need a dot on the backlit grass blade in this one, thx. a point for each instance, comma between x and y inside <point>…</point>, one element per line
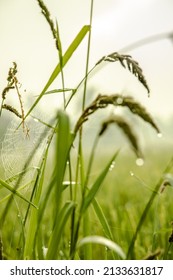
<point>58,230</point>
<point>64,140</point>
<point>59,91</point>
<point>103,221</point>
<point>15,192</point>
<point>95,187</point>
<point>71,49</point>
<point>102,241</point>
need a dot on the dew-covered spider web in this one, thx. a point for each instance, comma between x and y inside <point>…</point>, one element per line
<point>19,147</point>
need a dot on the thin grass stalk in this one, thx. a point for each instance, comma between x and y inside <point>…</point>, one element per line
<point>88,55</point>
<point>22,236</point>
<point>30,248</point>
<point>86,228</point>
<point>104,223</point>
<point>130,253</point>
<point>61,64</point>
<point>70,177</point>
<point>85,181</point>
<point>79,172</point>
<point>87,232</point>
<point>86,218</point>
<point>80,83</point>
<point>90,163</point>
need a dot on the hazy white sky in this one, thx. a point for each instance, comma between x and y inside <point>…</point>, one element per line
<point>25,38</point>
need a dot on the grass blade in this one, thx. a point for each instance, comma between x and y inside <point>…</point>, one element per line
<point>15,192</point>
<point>61,221</point>
<point>95,187</point>
<point>103,221</point>
<point>32,224</point>
<point>71,49</point>
<point>63,144</point>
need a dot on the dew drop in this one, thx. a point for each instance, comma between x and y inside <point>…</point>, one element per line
<point>112,166</point>
<point>139,162</point>
<point>36,120</point>
<point>159,135</point>
<point>131,173</point>
<point>45,249</point>
<point>119,100</point>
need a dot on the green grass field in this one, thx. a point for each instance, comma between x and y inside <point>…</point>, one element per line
<point>59,200</point>
<point>123,197</point>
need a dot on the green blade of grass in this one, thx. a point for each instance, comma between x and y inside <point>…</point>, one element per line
<point>102,241</point>
<point>55,238</point>
<point>95,187</point>
<point>64,140</point>
<point>71,49</point>
<point>32,219</point>
<point>58,91</point>
<point>19,189</point>
<point>103,221</point>
<point>15,192</point>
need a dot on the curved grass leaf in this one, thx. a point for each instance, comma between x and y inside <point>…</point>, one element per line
<point>102,241</point>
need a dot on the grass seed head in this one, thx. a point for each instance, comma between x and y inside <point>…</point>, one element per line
<point>127,130</point>
<point>127,62</point>
<point>102,101</point>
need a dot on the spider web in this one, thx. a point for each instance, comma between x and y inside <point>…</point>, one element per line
<point>17,148</point>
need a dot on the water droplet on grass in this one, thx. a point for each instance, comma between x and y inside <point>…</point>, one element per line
<point>139,162</point>
<point>159,135</point>
<point>119,100</point>
<point>112,166</point>
<point>36,120</point>
<point>131,173</point>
